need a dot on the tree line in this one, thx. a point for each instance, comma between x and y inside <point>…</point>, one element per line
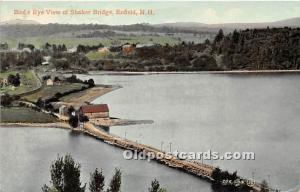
<point>54,28</point>
<point>65,177</point>
<point>230,182</point>
<point>250,49</point>
<point>259,49</point>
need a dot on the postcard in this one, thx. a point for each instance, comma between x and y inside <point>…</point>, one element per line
<point>150,96</point>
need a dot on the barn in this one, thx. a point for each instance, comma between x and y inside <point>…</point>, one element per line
<point>95,111</point>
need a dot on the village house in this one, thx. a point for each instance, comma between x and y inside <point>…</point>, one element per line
<point>3,82</point>
<point>63,110</point>
<point>103,50</point>
<point>46,60</point>
<point>128,49</point>
<point>3,46</point>
<point>72,50</point>
<point>95,111</point>
<point>50,82</point>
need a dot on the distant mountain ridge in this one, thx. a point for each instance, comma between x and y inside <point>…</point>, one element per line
<point>292,22</point>
<point>19,22</point>
<point>30,28</point>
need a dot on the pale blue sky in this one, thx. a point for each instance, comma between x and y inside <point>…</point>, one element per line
<point>204,12</point>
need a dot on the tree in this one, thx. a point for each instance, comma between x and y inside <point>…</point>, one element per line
<point>18,76</point>
<point>57,173</point>
<point>65,176</point>
<point>71,110</point>
<point>115,183</point>
<point>49,107</point>
<point>219,36</point>
<point>71,176</point>
<point>91,83</point>
<point>83,118</point>
<point>45,188</point>
<point>73,121</point>
<point>235,36</point>
<point>40,103</point>
<point>47,46</point>
<point>216,174</point>
<point>207,41</point>
<point>56,79</point>
<point>14,80</point>
<point>64,48</point>
<point>6,99</point>
<point>97,181</point>
<point>155,187</point>
<point>46,77</point>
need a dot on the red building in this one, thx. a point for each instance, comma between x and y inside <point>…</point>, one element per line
<point>95,111</point>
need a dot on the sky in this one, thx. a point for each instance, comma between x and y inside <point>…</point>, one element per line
<point>164,11</point>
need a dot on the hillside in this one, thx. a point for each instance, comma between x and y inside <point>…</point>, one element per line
<point>30,28</point>
<point>19,22</point>
<point>292,22</point>
<point>260,49</point>
<point>250,49</point>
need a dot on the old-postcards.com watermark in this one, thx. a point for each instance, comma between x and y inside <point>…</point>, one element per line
<point>208,155</point>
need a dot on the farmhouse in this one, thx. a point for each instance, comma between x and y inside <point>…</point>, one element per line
<point>47,60</point>
<point>95,111</point>
<point>49,82</point>
<point>3,82</point>
<point>128,49</point>
<point>103,51</point>
<point>63,110</point>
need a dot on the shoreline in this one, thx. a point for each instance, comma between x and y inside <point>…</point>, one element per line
<point>59,125</point>
<point>88,95</point>
<point>193,72</point>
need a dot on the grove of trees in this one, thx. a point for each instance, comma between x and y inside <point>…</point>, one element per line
<point>259,49</point>
<point>65,177</point>
<point>250,49</point>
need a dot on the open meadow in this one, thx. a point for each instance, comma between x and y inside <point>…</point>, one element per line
<point>49,91</point>
<point>70,42</point>
<point>24,115</point>
<point>28,79</point>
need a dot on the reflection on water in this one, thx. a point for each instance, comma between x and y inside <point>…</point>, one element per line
<point>223,113</point>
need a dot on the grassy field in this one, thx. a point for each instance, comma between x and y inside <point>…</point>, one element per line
<point>73,42</point>
<point>94,55</point>
<point>29,82</point>
<point>24,115</point>
<point>49,91</point>
<point>87,95</point>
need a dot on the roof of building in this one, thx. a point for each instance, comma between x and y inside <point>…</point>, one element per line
<point>94,108</point>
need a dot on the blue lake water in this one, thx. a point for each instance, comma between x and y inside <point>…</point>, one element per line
<point>219,112</point>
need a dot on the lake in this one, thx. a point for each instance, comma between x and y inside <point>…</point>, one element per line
<point>218,112</point>
<point>193,112</point>
<point>27,153</point>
